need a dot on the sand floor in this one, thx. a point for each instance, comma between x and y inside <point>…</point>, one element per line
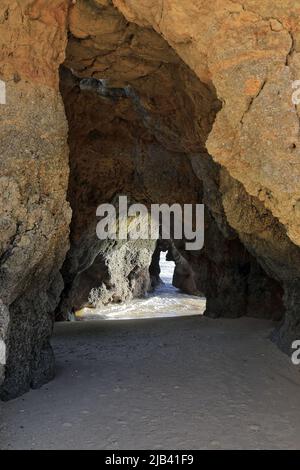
<point>167,383</point>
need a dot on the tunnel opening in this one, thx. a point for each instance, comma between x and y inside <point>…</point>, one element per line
<point>110,156</point>
<point>162,300</point>
<point>143,121</point>
<point>167,268</point>
<point>123,139</point>
<point>139,119</point>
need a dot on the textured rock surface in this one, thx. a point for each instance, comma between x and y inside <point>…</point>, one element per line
<point>114,151</point>
<point>201,77</point>
<point>117,137</point>
<point>250,51</point>
<point>33,180</point>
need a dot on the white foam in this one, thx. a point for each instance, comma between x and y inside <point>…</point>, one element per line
<point>166,301</point>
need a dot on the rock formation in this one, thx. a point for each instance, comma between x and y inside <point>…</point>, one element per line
<point>165,101</point>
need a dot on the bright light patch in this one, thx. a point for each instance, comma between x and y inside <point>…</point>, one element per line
<point>2,92</point>
<point>2,353</point>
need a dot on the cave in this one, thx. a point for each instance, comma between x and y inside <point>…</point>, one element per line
<point>128,101</point>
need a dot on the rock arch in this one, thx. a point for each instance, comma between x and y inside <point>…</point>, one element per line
<point>209,96</point>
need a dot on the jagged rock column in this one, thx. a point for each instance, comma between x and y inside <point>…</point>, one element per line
<point>234,62</point>
<point>34,176</point>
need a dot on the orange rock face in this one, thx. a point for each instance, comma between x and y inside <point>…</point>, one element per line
<point>250,51</point>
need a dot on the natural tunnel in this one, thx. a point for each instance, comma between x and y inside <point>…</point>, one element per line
<point>125,102</point>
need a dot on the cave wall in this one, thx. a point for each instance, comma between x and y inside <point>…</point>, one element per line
<point>114,151</point>
<point>250,51</point>
<point>124,137</point>
<point>243,58</point>
<point>34,171</point>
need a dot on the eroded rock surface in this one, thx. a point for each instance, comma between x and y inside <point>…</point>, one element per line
<point>34,172</point>
<point>117,146</point>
